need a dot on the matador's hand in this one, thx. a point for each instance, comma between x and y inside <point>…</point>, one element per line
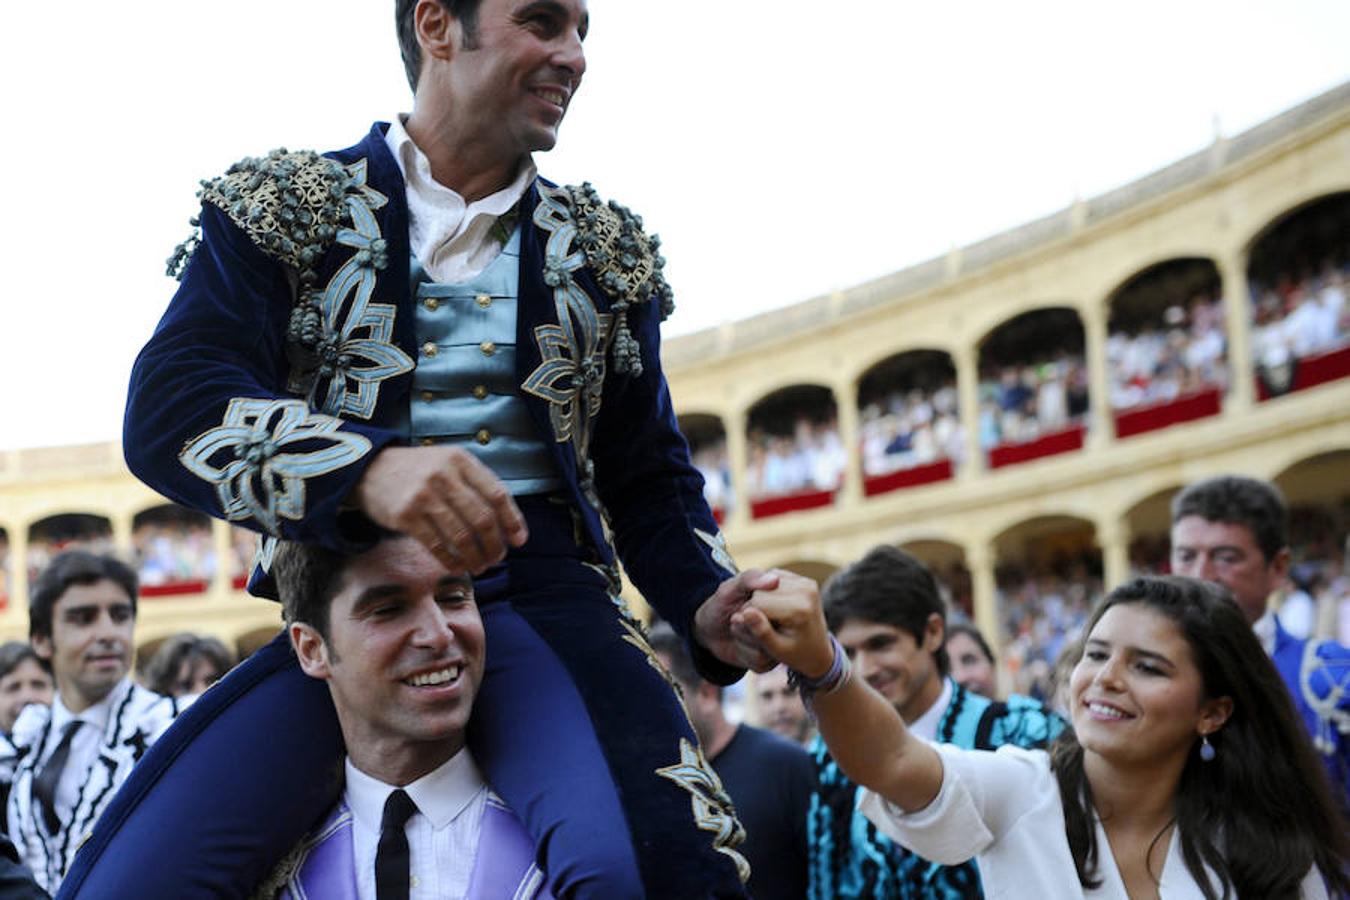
<point>715,628</point>
<point>445,498</point>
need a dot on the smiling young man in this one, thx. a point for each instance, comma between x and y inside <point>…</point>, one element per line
<point>75,754</point>
<point>421,334</point>
<point>399,642</point>
<point>886,612</point>
<point>1233,530</point>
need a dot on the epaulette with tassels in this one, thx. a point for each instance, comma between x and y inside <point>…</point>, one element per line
<point>626,262</point>
<point>289,204</point>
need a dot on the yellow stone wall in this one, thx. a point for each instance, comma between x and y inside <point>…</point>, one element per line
<point>92,479</point>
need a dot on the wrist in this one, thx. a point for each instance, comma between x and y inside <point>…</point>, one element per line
<point>835,676</point>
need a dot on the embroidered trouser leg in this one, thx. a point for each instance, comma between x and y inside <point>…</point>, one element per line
<point>582,735</point>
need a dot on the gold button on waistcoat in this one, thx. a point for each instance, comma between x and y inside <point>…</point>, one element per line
<point>427,441</point>
<point>480,392</point>
<point>488,348</point>
<point>428,396</point>
<point>483,436</point>
<point>431,303</point>
<point>483,301</point>
<point>429,349</point>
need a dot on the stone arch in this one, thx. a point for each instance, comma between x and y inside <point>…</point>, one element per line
<point>706,435</point>
<point>796,457</point>
<point>174,550</point>
<point>947,561</point>
<point>1149,524</point>
<point>1298,274</point>
<point>909,420</point>
<point>1034,396</point>
<point>252,640</point>
<point>817,570</point>
<point>53,534</point>
<point>1048,577</point>
<point>1166,345</point>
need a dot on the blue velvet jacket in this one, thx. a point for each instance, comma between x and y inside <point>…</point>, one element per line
<point>285,360</point>
<point>1317,674</point>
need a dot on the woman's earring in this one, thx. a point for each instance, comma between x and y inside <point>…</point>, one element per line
<point>1207,751</point>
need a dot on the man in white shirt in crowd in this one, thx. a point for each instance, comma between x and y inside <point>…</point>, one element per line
<point>400,643</point>
<point>75,754</point>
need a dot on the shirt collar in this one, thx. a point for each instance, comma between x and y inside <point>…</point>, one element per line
<point>441,794</point>
<point>416,170</point>
<point>926,725</point>
<point>1265,631</point>
<point>96,715</point>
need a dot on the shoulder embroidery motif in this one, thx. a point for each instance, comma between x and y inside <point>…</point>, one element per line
<point>295,207</point>
<point>626,261</point>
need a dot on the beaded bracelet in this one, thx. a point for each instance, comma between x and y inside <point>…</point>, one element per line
<point>841,670</point>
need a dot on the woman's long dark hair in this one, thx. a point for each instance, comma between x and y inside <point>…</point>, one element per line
<point>1260,814</point>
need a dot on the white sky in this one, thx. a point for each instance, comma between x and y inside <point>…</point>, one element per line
<point>782,150</point>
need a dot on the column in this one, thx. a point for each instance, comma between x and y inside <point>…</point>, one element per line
<point>222,544</point>
<point>968,393</point>
<point>121,535</point>
<point>1238,324</point>
<point>846,405</point>
<point>17,608</point>
<point>1103,431</point>
<point>739,457</point>
<point>980,560</point>
<point>1114,539</point>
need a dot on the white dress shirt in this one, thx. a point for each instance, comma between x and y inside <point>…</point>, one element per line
<point>83,748</point>
<point>1265,631</point>
<point>451,238</point>
<point>442,834</point>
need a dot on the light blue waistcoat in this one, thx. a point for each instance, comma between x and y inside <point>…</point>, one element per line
<point>464,389</point>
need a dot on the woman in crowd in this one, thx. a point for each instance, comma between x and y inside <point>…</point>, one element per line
<point>24,679</point>
<point>972,660</point>
<point>1185,775</point>
<point>186,664</point>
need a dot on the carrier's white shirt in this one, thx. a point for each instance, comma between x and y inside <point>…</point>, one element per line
<point>442,834</point>
<point>1003,809</point>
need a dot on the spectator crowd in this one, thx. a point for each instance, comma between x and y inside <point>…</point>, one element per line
<point>1022,403</point>
<point>1297,316</point>
<point>909,428</point>
<point>811,458</point>
<point>1185,354</point>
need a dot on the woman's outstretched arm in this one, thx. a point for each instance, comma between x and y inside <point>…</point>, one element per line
<point>865,734</point>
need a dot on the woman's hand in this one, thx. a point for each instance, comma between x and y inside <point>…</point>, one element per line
<point>788,622</point>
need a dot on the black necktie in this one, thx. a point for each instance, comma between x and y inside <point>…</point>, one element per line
<point>45,782</point>
<point>391,855</point>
